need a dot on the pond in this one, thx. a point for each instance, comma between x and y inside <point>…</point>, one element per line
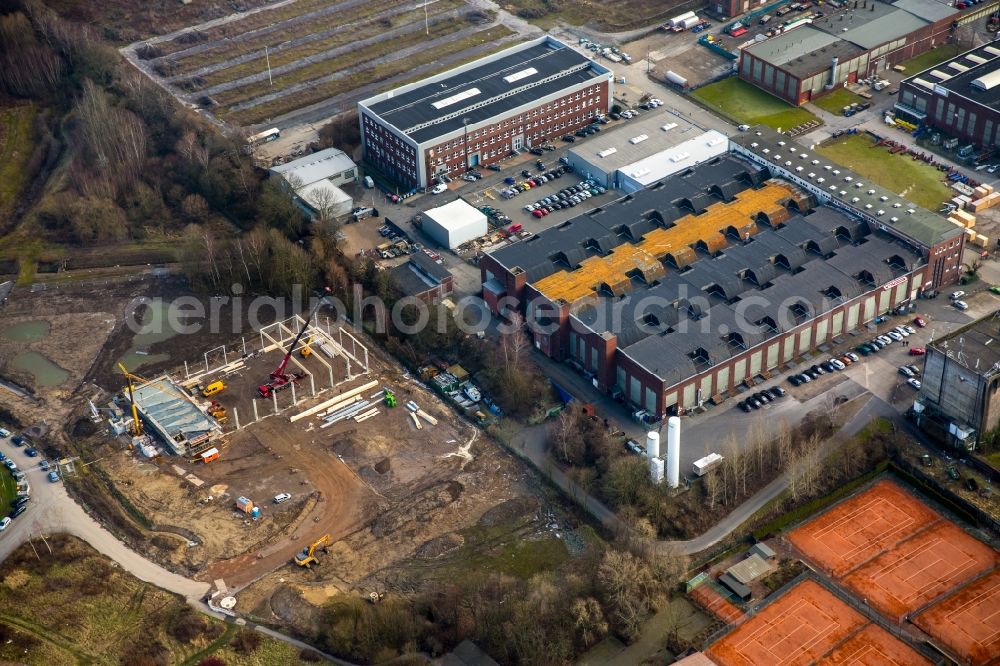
<point>45,372</point>
<point>28,331</point>
<point>155,328</point>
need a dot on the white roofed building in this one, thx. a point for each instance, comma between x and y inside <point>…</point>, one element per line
<point>316,180</point>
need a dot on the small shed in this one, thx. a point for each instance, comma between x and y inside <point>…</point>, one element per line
<point>736,587</point>
<point>324,198</point>
<point>455,223</point>
<point>749,569</point>
<point>763,550</point>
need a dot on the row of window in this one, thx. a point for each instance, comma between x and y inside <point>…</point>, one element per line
<point>522,122</point>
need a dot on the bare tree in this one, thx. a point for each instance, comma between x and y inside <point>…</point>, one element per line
<point>324,202</point>
<point>513,343</point>
<point>711,481</point>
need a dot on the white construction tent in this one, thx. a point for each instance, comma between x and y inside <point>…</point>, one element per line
<point>455,223</point>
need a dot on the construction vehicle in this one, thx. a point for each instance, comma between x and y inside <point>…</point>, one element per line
<point>390,398</point>
<point>307,557</point>
<point>217,411</point>
<point>279,379</point>
<point>136,423</point>
<point>213,388</point>
<point>306,350</point>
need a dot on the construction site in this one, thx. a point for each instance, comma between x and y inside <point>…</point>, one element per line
<point>273,454</point>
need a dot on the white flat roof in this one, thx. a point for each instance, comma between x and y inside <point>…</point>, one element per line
<point>678,158</point>
<point>309,193</point>
<point>456,215</point>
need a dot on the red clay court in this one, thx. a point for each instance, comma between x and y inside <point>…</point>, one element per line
<point>862,527</point>
<point>968,622</point>
<point>798,628</point>
<point>920,569</point>
<point>873,646</point>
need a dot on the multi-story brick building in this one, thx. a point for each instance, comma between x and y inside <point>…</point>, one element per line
<point>960,97</point>
<point>853,42</point>
<point>678,293</point>
<point>481,112</point>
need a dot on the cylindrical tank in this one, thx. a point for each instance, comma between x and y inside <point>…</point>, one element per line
<point>652,445</point>
<point>673,451</point>
<point>676,78</point>
<point>656,470</point>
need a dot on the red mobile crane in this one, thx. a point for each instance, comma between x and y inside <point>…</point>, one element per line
<point>279,379</point>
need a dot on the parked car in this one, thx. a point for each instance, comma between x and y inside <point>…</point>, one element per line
<point>4,432</point>
<point>10,464</point>
<point>805,378</point>
<point>961,305</point>
<point>915,383</point>
<point>794,380</point>
<point>778,391</point>
<point>895,336</point>
<point>31,453</point>
<point>53,476</point>
<point>44,465</point>
<point>282,497</point>
<point>909,329</point>
<point>439,188</point>
<point>905,371</point>
<point>993,290</point>
<point>828,366</point>
<point>17,440</point>
<point>956,295</point>
<point>837,363</point>
<point>854,357</point>
<point>917,351</point>
<point>914,369</point>
<point>4,522</point>
<point>743,405</point>
<point>920,322</point>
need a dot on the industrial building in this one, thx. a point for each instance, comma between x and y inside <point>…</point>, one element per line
<point>657,145</point>
<point>718,276</point>
<point>854,42</point>
<point>169,412</point>
<point>960,97</point>
<point>422,277</point>
<point>316,181</point>
<point>959,398</point>
<point>453,224</point>
<point>479,113</point>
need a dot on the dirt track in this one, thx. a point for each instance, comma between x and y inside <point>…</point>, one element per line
<point>340,511</point>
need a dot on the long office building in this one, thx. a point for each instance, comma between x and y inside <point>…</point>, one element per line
<point>679,293</point>
<point>960,97</point>
<point>481,112</point>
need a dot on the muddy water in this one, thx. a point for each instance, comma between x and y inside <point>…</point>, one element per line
<point>45,372</point>
<point>29,331</point>
<point>155,328</point>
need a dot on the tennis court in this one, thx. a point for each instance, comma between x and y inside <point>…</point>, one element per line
<point>968,622</point>
<point>920,569</point>
<point>873,646</point>
<point>798,628</point>
<point>862,527</point>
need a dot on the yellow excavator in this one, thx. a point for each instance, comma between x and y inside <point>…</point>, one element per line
<point>306,350</point>
<point>129,377</point>
<point>307,557</point>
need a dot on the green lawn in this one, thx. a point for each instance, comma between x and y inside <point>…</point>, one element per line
<point>743,103</point>
<point>837,100</point>
<point>914,180</point>
<point>8,491</point>
<point>931,58</point>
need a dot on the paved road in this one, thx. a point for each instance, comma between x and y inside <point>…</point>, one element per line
<point>52,511</point>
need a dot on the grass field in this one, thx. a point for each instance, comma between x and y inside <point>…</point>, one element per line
<point>73,606</point>
<point>605,16</point>
<point>319,69</point>
<point>741,102</point>
<point>837,100</point>
<point>8,491</point>
<point>359,31</point>
<point>914,180</point>
<point>15,149</point>
<point>378,73</point>
<point>931,58</point>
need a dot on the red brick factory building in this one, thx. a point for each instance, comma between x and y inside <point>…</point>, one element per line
<point>720,276</point>
<point>477,114</point>
<point>858,40</point>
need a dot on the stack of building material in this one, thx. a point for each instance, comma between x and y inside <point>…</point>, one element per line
<point>980,240</point>
<point>966,218</point>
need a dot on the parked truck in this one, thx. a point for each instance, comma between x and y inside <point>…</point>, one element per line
<point>703,465</point>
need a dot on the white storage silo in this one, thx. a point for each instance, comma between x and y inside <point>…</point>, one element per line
<point>656,469</point>
<point>673,451</point>
<point>652,445</point>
